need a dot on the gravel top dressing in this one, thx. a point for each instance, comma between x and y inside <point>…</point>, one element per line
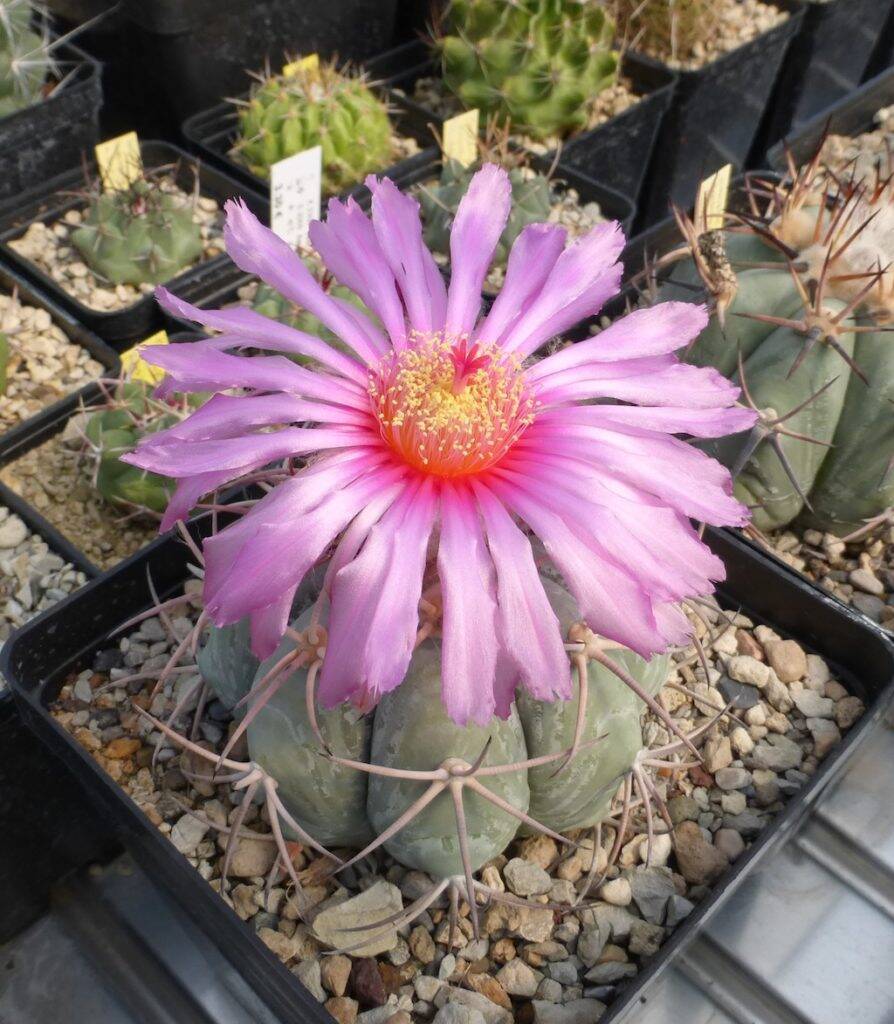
<point>530,964</point>
<point>44,365</point>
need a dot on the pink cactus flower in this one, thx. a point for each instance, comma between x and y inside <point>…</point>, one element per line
<point>442,445</point>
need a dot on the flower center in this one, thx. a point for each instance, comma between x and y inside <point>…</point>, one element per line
<point>449,407</point>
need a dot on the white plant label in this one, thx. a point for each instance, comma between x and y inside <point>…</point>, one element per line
<point>296,189</point>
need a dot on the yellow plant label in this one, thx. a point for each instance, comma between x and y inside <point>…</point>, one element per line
<point>119,161</point>
<point>710,204</point>
<point>309,63</point>
<point>460,138</point>
<point>136,368</point>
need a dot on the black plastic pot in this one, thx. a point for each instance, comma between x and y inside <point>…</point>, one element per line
<point>883,54</point>
<point>40,657</point>
<point>852,115</point>
<point>14,441</point>
<point>194,53</point>
<point>825,62</point>
<point>616,153</point>
<point>49,202</point>
<point>212,133</point>
<point>714,117</point>
<point>53,135</point>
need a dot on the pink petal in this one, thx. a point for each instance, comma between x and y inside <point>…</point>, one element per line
<point>469,646</point>
<point>695,422</point>
<point>480,219</point>
<point>529,631</point>
<point>348,245</point>
<point>531,260</point>
<point>267,625</point>
<point>246,327</point>
<point>584,276</point>
<point>395,218</point>
<point>651,331</point>
<point>375,603</point>
<point>257,250</point>
<point>187,493</point>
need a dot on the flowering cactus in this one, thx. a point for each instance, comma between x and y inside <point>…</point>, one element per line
<point>454,478</point>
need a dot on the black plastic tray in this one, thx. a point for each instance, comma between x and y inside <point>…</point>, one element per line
<point>38,659</point>
<point>826,61</point>
<point>852,115</point>
<point>211,134</point>
<point>14,441</point>
<point>616,153</point>
<point>49,202</point>
<point>714,117</point>
<point>48,137</point>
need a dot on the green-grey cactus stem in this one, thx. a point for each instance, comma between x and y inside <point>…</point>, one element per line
<point>809,344</point>
<point>537,65</point>
<point>25,58</point>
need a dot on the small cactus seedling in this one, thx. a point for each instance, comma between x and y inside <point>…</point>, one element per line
<point>337,110</point>
<point>671,29</point>
<point>535,64</point>
<point>24,57</point>
<point>144,234</point>
<point>803,298</point>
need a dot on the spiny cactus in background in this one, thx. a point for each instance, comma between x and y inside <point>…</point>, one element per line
<point>666,28</point>
<point>537,64</point>
<point>320,106</point>
<point>138,235</point>
<point>24,57</point>
<point>807,341</point>
<point>531,204</point>
<point>129,414</point>
<point>4,360</point>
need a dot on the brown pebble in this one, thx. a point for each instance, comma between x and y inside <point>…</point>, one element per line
<point>343,1009</point>
<point>366,984</point>
<point>422,945</point>
<point>489,987</point>
<point>746,644</point>
<point>503,950</point>
<point>122,747</point>
<point>391,976</point>
<point>334,972</point>
<point>699,862</point>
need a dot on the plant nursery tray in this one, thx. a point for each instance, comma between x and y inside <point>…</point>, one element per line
<point>615,153</point>
<point>852,115</point>
<point>50,201</point>
<point>38,659</point>
<point>211,134</point>
<point>19,437</point>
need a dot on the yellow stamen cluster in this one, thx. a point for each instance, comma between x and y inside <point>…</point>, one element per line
<point>446,414</point>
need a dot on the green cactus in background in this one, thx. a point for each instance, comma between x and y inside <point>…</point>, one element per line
<point>531,204</point>
<point>537,64</point>
<point>24,57</point>
<point>808,343</point>
<point>114,429</point>
<point>4,360</point>
<point>138,235</point>
<point>323,107</point>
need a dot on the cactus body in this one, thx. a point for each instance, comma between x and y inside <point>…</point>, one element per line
<point>322,107</point>
<point>24,57</point>
<point>531,203</point>
<point>537,64</point>
<point>839,471</point>
<point>667,28</point>
<point>410,730</point>
<point>140,235</point>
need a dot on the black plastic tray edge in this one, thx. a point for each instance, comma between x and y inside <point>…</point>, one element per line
<point>239,942</point>
<point>194,130</point>
<point>118,327</point>
<point>855,111</point>
<point>409,61</point>
<point>18,439</point>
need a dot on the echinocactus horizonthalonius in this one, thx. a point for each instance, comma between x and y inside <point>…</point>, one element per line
<point>143,234</point>
<point>24,57</point>
<point>319,106</point>
<point>803,294</point>
<point>486,554</point>
<point>536,64</point>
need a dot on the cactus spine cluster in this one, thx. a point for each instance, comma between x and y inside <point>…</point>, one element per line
<point>24,57</point>
<point>667,28</point>
<point>804,298</point>
<point>143,234</point>
<point>531,204</point>
<point>536,64</point>
<point>287,114</point>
